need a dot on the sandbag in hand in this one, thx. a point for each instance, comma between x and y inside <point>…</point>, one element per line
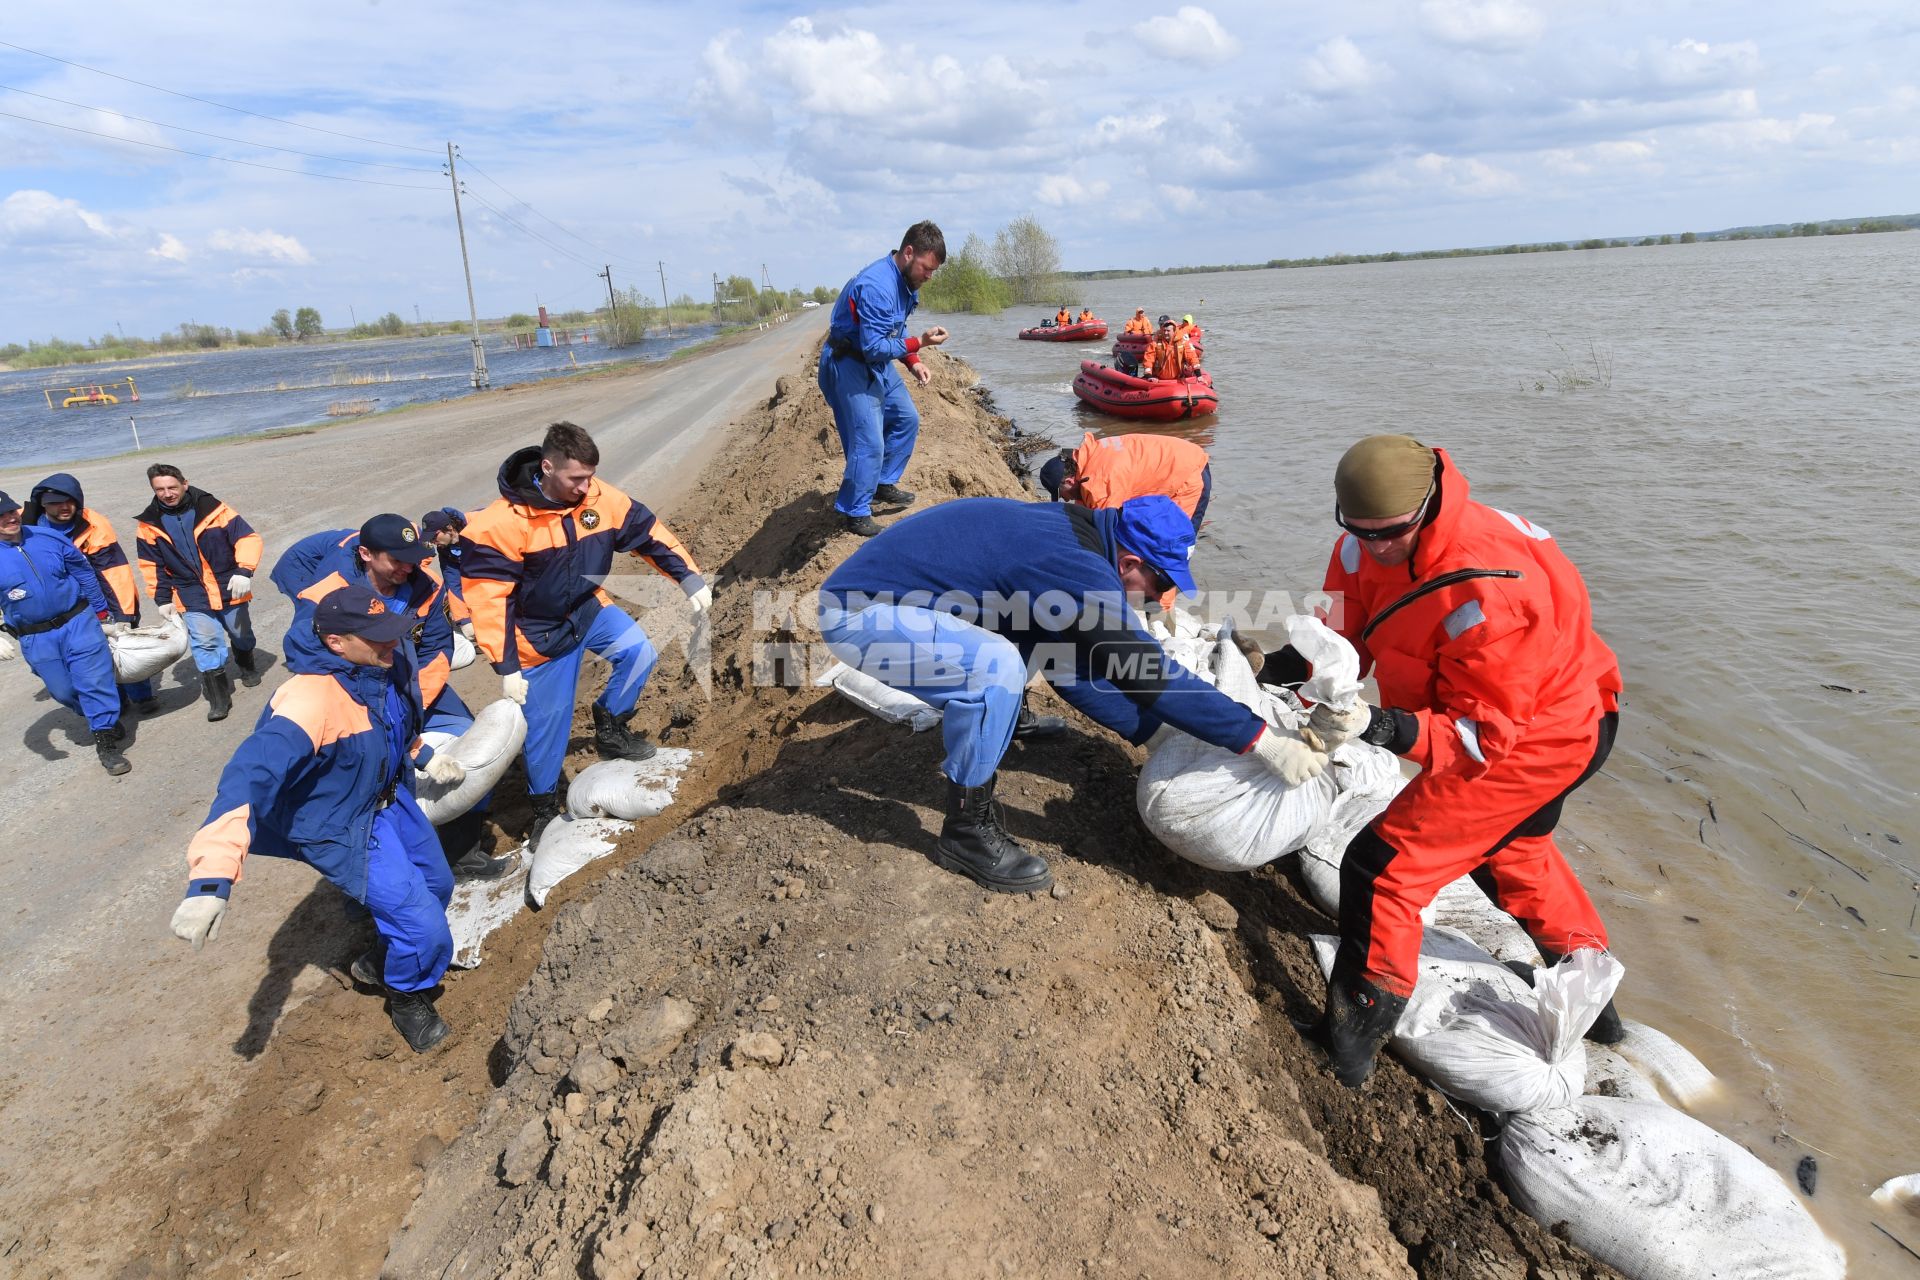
<point>1335,728</point>
<point>445,770</point>
<point>1294,761</point>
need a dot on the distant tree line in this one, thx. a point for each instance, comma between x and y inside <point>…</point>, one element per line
<point>1021,266</point>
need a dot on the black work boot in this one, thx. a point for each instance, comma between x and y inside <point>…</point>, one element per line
<point>478,864</point>
<point>862,525</point>
<point>147,706</point>
<point>974,843</point>
<point>415,1019</point>
<point>369,968</point>
<point>546,807</point>
<point>615,741</point>
<point>893,495</point>
<point>1032,728</point>
<point>106,744</point>
<point>1359,1019</point>
<point>1606,1029</point>
<point>249,666</point>
<point>218,688</point>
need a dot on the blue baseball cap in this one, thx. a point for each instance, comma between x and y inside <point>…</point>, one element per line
<point>397,536</point>
<point>355,610</point>
<point>1158,531</point>
<point>1052,474</point>
<point>7,504</point>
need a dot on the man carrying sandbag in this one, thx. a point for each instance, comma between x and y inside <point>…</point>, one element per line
<point>327,777</point>
<point>1105,472</point>
<point>59,504</point>
<point>385,555</point>
<point>960,604</point>
<point>1480,634</point>
<point>53,612</point>
<point>532,563</point>
<point>198,556</point>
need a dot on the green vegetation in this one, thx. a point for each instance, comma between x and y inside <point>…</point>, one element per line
<point>966,283</point>
<point>1021,266</point>
<point>1577,375</point>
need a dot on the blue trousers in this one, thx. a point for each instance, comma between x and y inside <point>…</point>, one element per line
<point>209,632</point>
<point>878,426</point>
<point>74,663</point>
<point>975,677</point>
<point>449,714</point>
<point>408,887</point>
<point>550,689</point>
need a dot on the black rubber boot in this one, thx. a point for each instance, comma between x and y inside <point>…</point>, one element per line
<point>546,808</point>
<point>249,666</point>
<point>478,864</point>
<point>1606,1029</point>
<point>615,741</point>
<point>893,495</point>
<point>106,744</point>
<point>369,968</point>
<point>415,1019</point>
<point>218,688</point>
<point>1358,1021</point>
<point>147,706</point>
<point>974,843</point>
<point>862,525</point>
<point>1032,728</point>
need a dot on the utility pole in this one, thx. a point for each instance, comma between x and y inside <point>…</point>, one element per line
<point>665,306</point>
<point>479,351</point>
<point>353,315</point>
<point>613,304</point>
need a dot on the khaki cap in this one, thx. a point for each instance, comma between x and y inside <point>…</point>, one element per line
<point>1382,477</point>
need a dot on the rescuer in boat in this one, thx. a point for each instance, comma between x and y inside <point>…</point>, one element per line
<point>1480,633</point>
<point>872,411</point>
<point>960,604</point>
<point>1063,317</point>
<point>1086,316</point>
<point>1139,326</point>
<point>1169,356</point>
<point>1106,472</point>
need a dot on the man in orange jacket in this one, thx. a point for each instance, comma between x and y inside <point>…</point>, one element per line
<point>1106,472</point>
<point>1139,326</point>
<point>1086,316</point>
<point>1169,356</point>
<point>1480,633</point>
<point>1063,317</point>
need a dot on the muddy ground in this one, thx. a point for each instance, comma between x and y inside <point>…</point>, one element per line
<point>768,1037</point>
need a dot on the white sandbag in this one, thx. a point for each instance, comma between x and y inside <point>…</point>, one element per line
<point>486,749</point>
<point>1611,1076</point>
<point>1897,1192</point>
<point>628,789</point>
<point>143,653</point>
<point>877,698</point>
<point>479,907</point>
<point>1336,664</point>
<point>1657,1195</point>
<point>463,651</point>
<point>566,845</point>
<point>1477,1031</point>
<point>1680,1075</point>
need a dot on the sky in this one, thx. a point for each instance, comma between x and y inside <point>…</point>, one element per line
<point>737,138</point>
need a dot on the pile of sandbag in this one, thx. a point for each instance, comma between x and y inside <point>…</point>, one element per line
<point>485,749</point>
<point>1231,812</point>
<point>143,653</point>
<point>603,801</point>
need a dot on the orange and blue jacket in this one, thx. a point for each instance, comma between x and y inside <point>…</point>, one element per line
<point>321,563</point>
<point>1140,325</point>
<point>1117,468</point>
<point>1486,636</point>
<point>335,744</point>
<point>1169,359</point>
<point>531,568</point>
<point>226,545</point>
<point>93,536</point>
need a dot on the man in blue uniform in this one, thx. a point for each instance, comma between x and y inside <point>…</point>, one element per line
<point>386,556</point>
<point>327,777</point>
<point>58,503</point>
<point>53,612</point>
<point>871,408</point>
<point>443,527</point>
<point>960,604</point>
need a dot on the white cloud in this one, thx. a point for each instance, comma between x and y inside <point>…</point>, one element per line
<point>1689,64</point>
<point>268,245</point>
<point>1182,199</point>
<point>40,217</point>
<point>1189,35</point>
<point>1060,190</point>
<point>727,92</point>
<point>169,249</point>
<point>1130,131</point>
<point>1492,25</point>
<point>1338,67</point>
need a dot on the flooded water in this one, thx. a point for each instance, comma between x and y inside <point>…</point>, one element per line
<point>200,396</point>
<point>1726,439</point>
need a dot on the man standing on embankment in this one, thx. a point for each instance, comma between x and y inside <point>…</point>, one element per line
<point>198,557</point>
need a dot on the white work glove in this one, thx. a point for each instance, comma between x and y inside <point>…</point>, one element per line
<point>239,585</point>
<point>9,647</point>
<point>466,629</point>
<point>514,685</point>
<point>1291,758</point>
<point>446,771</point>
<point>701,600</point>
<point>197,919</point>
<point>116,628</point>
<point>1336,728</point>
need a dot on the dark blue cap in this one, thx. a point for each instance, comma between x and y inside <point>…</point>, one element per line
<point>1052,474</point>
<point>442,518</point>
<point>7,504</point>
<point>1158,531</point>
<point>356,611</point>
<point>397,536</point>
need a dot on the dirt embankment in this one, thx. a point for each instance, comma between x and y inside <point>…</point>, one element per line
<point>768,1036</point>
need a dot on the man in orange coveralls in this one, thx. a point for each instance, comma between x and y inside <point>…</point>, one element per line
<point>1169,356</point>
<point>1063,317</point>
<point>1105,473</point>
<point>1139,326</point>
<point>1480,633</point>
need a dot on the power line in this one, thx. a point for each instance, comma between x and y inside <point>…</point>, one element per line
<point>400,146</point>
<point>582,239</point>
<point>251,164</point>
<point>559,249</point>
<point>245,142</point>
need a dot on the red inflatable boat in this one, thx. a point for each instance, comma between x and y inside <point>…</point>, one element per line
<point>1129,347</point>
<point>1092,330</point>
<point>1154,399</point>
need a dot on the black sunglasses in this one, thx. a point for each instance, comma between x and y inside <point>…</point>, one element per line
<point>1391,531</point>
